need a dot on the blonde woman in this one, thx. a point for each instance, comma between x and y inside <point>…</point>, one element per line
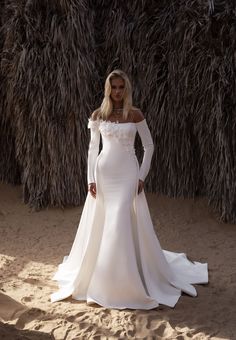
<point>116,260</point>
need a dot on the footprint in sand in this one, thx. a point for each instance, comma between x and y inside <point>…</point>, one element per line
<point>26,299</point>
<point>29,315</point>
<point>2,216</point>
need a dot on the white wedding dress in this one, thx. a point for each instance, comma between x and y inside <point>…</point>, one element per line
<point>116,260</point>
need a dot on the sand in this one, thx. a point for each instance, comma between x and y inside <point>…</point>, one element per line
<point>32,244</point>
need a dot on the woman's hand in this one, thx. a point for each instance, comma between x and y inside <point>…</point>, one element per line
<point>92,189</point>
<point>140,186</point>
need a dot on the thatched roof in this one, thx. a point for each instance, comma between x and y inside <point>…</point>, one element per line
<point>181,59</point>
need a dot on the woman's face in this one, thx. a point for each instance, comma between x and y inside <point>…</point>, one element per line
<point>117,89</point>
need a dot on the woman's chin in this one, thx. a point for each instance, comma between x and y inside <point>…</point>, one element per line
<point>117,99</point>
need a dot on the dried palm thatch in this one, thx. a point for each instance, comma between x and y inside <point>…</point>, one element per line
<point>181,57</point>
<point>9,168</point>
<point>48,64</point>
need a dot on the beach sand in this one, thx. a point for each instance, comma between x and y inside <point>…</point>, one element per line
<point>32,244</point>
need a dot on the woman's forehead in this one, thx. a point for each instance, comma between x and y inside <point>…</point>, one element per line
<point>117,81</point>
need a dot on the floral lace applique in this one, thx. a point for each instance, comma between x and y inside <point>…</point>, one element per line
<point>124,133</point>
<point>119,130</point>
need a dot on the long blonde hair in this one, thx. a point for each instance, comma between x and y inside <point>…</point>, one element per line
<point>107,106</point>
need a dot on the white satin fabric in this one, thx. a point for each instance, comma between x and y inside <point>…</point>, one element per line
<point>116,259</point>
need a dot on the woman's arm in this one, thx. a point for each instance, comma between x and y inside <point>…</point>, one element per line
<point>93,149</point>
<point>148,147</point>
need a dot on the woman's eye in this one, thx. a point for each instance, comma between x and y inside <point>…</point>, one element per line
<point>116,87</point>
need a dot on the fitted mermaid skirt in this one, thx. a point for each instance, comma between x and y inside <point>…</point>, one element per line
<point>116,259</point>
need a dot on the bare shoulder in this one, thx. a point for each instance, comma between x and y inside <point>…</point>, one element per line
<point>95,114</point>
<point>137,115</point>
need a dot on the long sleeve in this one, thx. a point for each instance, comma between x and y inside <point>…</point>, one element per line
<point>93,149</point>
<point>148,147</point>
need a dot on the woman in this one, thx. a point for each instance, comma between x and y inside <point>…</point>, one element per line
<point>116,259</point>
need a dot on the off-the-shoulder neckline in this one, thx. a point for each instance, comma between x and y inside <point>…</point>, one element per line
<point>117,123</point>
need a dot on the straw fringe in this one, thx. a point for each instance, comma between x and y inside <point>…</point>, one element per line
<point>47,60</point>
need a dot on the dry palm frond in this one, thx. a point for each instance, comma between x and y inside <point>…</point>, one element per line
<point>48,63</point>
<point>9,168</point>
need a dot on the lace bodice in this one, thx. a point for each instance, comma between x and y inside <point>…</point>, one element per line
<point>118,130</point>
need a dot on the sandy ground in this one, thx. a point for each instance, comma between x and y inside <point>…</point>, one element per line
<point>32,244</point>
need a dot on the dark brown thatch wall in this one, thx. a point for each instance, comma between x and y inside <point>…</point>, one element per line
<point>48,65</point>
<point>181,58</point>
<point>9,167</point>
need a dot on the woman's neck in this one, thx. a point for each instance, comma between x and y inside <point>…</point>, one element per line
<point>117,105</point>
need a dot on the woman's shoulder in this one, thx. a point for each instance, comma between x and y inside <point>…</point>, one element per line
<point>137,115</point>
<point>95,115</point>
